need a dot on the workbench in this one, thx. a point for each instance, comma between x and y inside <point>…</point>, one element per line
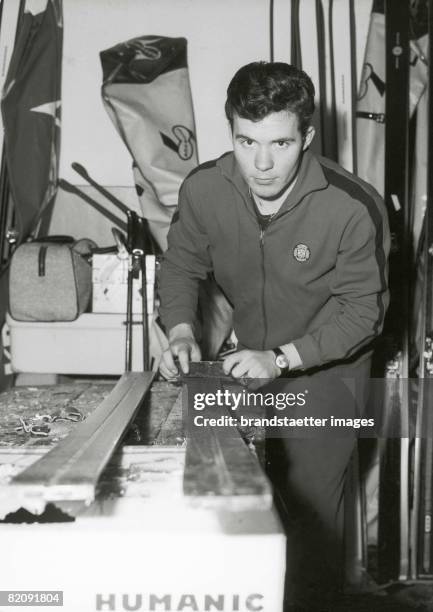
<point>141,545</point>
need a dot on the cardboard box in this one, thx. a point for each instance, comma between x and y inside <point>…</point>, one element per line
<point>110,285</point>
<point>92,344</point>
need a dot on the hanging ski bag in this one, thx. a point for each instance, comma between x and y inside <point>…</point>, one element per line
<point>50,279</point>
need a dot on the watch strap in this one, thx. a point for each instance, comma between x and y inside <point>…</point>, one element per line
<point>278,351</point>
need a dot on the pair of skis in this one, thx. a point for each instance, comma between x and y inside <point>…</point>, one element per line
<point>323,44</point>
<point>407,466</point>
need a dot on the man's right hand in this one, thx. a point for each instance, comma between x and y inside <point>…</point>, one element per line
<point>183,346</point>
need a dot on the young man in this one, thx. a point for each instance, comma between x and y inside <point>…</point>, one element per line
<point>299,247</point>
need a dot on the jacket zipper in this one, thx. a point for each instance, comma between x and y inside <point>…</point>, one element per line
<point>261,241</point>
<point>262,245</point>
<point>265,322</point>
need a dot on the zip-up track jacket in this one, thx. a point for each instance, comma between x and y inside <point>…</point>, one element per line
<point>317,276</point>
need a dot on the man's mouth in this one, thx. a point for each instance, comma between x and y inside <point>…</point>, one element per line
<point>263,181</point>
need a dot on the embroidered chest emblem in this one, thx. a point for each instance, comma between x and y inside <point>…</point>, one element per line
<point>301,252</point>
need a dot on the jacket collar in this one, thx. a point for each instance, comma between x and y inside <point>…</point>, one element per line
<point>310,177</point>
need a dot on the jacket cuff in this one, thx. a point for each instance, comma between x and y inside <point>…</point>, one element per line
<point>308,351</point>
<point>290,351</point>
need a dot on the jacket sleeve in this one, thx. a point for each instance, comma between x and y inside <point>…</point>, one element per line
<point>184,264</point>
<point>360,286</point>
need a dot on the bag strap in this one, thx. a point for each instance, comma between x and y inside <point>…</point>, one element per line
<point>42,256</point>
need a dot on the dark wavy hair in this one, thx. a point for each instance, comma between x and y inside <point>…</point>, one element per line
<point>261,88</point>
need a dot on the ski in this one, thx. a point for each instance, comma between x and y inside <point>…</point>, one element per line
<point>354,81</point>
<point>295,42</point>
<point>344,64</point>
<point>422,552</point>
<point>313,55</point>
<point>281,25</point>
<point>393,552</point>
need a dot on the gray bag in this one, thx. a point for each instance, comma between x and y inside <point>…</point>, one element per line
<point>50,279</point>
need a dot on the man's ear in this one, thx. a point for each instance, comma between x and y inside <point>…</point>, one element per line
<point>308,137</point>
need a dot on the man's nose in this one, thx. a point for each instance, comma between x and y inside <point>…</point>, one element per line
<point>264,160</point>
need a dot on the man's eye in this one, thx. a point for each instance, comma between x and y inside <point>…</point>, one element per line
<point>282,144</point>
<point>247,142</point>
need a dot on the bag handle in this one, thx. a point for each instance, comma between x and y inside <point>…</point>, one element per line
<point>55,239</point>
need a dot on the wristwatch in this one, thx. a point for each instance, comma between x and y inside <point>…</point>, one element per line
<point>281,360</point>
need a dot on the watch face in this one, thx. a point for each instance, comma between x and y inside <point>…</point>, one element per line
<point>282,361</point>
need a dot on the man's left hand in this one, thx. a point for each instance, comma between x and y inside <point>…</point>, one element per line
<point>252,364</point>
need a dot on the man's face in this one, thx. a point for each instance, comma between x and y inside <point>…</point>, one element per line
<point>268,151</point>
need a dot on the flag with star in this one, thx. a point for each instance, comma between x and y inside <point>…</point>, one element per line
<point>31,112</point>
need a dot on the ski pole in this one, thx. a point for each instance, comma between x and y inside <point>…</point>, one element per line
<point>128,344</point>
<point>144,313</point>
<point>66,186</point>
<point>81,170</point>
<point>138,245</point>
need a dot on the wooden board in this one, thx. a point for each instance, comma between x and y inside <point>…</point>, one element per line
<point>70,471</point>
